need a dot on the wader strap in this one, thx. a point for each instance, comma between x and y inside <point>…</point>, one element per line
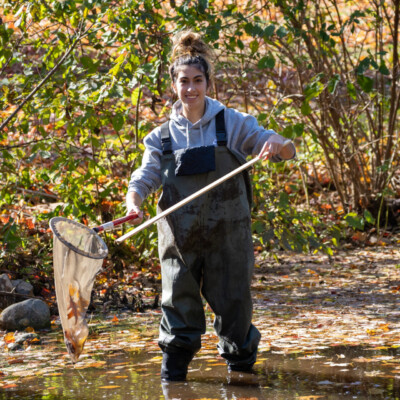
<point>165,138</point>
<point>220,133</point>
<point>220,128</point>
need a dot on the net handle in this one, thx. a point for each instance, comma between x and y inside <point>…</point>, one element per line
<point>197,194</point>
<point>188,199</point>
<point>110,225</point>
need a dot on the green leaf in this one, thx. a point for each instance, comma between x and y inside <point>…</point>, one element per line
<point>355,221</point>
<point>254,46</point>
<point>383,69</point>
<point>269,31</point>
<point>202,6</point>
<point>283,200</point>
<point>305,108</point>
<point>282,32</point>
<point>366,83</point>
<point>258,227</point>
<point>135,97</point>
<point>249,28</point>
<point>298,129</point>
<point>351,90</point>
<point>118,122</point>
<point>266,62</point>
<point>86,61</point>
<point>369,217</point>
<point>363,66</point>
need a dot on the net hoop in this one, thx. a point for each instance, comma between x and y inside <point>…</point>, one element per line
<point>54,226</point>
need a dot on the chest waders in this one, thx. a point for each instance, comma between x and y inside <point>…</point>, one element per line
<point>206,248</point>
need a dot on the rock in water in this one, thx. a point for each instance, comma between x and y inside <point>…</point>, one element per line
<point>33,312</point>
<point>5,283</point>
<point>22,287</point>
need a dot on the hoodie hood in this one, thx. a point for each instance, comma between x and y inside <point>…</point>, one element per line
<point>202,132</point>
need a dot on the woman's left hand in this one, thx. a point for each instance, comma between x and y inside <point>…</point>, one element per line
<point>277,144</point>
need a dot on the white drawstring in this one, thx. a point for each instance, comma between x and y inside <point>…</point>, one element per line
<point>187,135</point>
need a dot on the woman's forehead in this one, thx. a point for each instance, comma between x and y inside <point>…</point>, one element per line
<point>188,71</point>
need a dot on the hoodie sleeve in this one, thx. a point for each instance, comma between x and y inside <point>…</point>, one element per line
<point>147,178</point>
<point>245,136</point>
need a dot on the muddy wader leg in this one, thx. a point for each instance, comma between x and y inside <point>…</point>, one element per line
<point>226,287</point>
<point>183,320</point>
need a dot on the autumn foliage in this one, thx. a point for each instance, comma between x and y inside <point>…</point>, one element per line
<point>81,84</point>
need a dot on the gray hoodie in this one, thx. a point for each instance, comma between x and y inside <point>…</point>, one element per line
<point>245,137</point>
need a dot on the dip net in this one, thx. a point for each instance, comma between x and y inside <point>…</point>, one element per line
<point>78,254</point>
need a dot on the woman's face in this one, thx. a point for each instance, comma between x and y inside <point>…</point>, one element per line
<point>191,87</point>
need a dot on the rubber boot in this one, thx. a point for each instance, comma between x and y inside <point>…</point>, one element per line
<point>175,365</point>
<point>241,368</point>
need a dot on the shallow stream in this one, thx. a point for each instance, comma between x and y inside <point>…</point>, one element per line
<point>121,360</point>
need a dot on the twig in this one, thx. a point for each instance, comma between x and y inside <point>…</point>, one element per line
<point>45,79</point>
<point>24,296</point>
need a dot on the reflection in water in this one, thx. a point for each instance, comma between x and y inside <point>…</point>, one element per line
<point>334,373</point>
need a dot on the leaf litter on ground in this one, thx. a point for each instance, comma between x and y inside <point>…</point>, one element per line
<point>310,306</point>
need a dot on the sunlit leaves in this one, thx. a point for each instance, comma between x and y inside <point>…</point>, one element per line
<point>266,62</point>
<point>355,221</point>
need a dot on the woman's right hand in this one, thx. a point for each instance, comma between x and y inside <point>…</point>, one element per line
<point>139,212</point>
<point>133,203</point>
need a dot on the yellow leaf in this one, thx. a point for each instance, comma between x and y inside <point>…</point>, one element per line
<point>311,397</point>
<point>72,290</point>
<point>384,327</point>
<point>157,358</point>
<point>9,338</point>
<point>109,387</point>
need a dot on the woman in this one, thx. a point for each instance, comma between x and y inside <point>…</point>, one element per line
<point>205,247</point>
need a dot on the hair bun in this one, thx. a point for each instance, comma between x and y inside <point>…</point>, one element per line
<point>189,43</point>
<point>188,48</point>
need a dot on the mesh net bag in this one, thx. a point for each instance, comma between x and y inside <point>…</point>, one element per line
<point>78,254</point>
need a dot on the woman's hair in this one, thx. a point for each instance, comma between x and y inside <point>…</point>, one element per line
<point>188,48</point>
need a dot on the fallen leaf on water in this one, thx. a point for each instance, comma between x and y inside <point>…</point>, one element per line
<point>121,376</point>
<point>310,397</point>
<point>384,327</point>
<point>157,358</point>
<point>115,320</point>
<point>9,337</point>
<point>16,361</point>
<point>11,385</point>
<point>109,387</point>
